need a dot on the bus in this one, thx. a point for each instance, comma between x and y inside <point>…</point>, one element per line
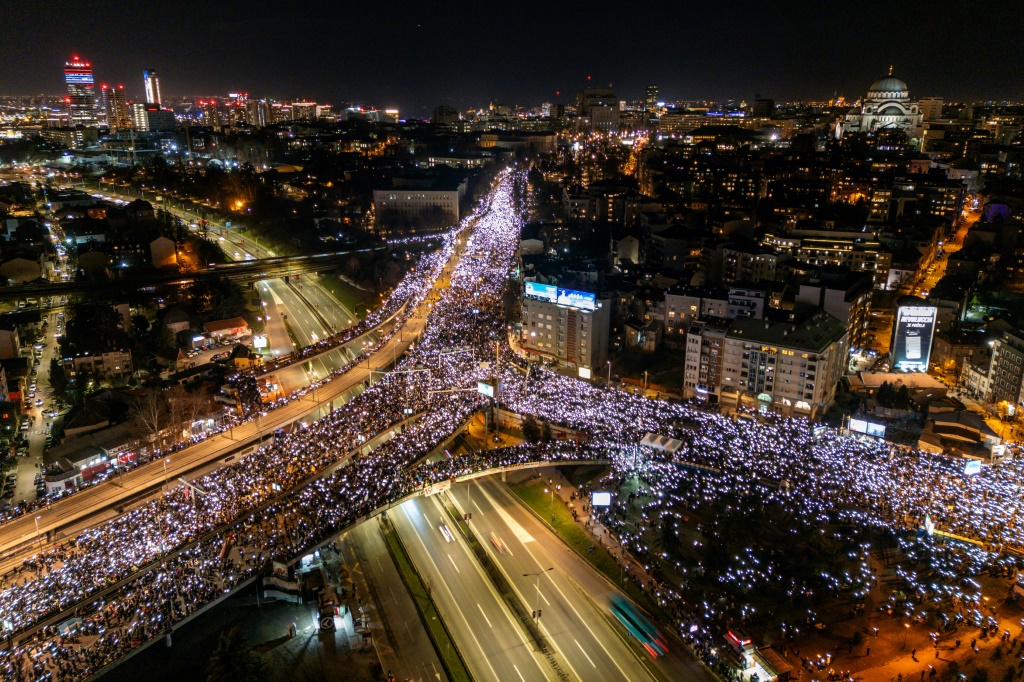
<point>638,626</point>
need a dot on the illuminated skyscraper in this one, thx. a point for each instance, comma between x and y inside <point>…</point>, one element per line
<point>152,87</point>
<point>651,99</point>
<point>81,91</point>
<point>115,105</point>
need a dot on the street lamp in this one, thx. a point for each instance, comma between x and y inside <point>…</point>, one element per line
<point>38,538</point>
<point>537,574</point>
<point>906,631</point>
<point>166,462</point>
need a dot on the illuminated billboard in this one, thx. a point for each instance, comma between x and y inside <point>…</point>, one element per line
<point>912,337</point>
<point>577,299</point>
<point>867,428</point>
<point>600,499</point>
<point>569,298</point>
<point>259,341</point>
<point>485,388</point>
<point>545,292</point>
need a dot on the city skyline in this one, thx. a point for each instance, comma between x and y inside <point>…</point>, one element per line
<point>424,59</point>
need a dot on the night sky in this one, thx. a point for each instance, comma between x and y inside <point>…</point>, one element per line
<point>418,55</point>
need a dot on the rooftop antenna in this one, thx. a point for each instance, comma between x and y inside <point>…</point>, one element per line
<point>890,69</point>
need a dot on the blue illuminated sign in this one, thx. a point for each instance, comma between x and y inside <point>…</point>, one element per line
<point>546,292</point>
<point>566,297</point>
<point>577,299</point>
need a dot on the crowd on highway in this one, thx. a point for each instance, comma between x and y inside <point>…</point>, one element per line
<point>130,579</point>
<point>277,500</point>
<point>400,305</point>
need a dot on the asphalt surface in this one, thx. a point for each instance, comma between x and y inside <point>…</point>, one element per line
<point>574,597</point>
<point>494,645</point>
<point>411,654</point>
<point>571,619</point>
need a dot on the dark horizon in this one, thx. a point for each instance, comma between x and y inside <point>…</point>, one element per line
<point>415,57</point>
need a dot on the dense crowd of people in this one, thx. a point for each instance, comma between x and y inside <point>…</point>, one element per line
<point>168,558</point>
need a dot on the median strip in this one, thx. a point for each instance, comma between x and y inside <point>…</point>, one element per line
<point>440,636</point>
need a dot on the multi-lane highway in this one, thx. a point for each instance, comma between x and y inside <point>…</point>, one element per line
<point>410,653</point>
<point>89,502</point>
<point>574,598</point>
<point>493,644</point>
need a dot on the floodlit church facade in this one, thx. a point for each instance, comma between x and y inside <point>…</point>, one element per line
<point>886,106</point>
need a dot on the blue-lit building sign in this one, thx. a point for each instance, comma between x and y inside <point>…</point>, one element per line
<point>545,292</point>
<point>569,298</point>
<point>577,299</point>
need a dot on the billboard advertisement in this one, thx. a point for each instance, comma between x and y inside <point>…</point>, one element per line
<point>545,292</point>
<point>485,388</point>
<point>601,499</point>
<point>867,428</point>
<point>577,299</point>
<point>569,298</point>
<point>912,337</point>
<point>259,341</point>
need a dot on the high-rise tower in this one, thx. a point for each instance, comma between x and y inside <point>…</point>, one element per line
<point>81,91</point>
<point>152,87</point>
<point>115,105</point>
<point>651,99</point>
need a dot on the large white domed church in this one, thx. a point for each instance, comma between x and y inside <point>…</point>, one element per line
<point>886,106</point>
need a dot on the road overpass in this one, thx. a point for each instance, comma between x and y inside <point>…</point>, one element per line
<point>89,502</point>
<point>237,271</point>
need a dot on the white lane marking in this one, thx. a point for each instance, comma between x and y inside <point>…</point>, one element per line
<point>455,602</point>
<point>579,616</point>
<point>484,615</point>
<point>519,673</point>
<point>456,567</point>
<point>490,587</point>
<point>521,534</point>
<point>583,652</point>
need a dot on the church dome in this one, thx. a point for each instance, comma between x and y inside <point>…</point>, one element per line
<point>888,84</point>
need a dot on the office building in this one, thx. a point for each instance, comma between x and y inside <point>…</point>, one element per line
<point>149,118</point>
<point>152,87</point>
<point>651,99</point>
<point>931,108</point>
<point>763,108</point>
<point>790,366</point>
<point>599,108</point>
<point>257,113</point>
<point>445,115</point>
<point>115,107</point>
<point>568,326</point>
<point>81,91</point>
<point>304,111</point>
<point>419,203</point>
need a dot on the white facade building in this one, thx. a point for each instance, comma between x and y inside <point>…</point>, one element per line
<point>886,106</point>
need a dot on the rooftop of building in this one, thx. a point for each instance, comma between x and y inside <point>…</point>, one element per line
<point>810,329</point>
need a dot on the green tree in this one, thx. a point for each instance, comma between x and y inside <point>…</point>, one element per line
<point>531,429</point>
<point>140,323</point>
<point>58,378</point>
<point>235,661</point>
<point>545,432</point>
